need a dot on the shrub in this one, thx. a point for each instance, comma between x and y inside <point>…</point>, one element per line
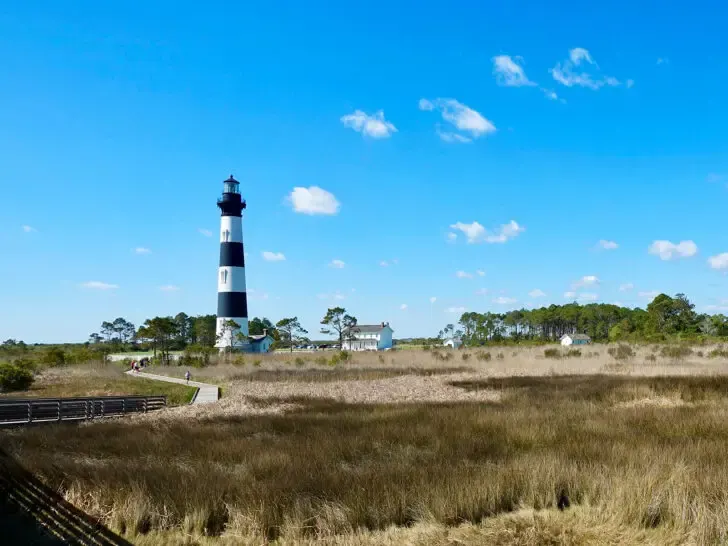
<point>651,358</point>
<point>676,352</point>
<point>53,356</point>
<point>14,378</point>
<point>483,356</point>
<point>257,363</point>
<point>465,356</point>
<point>621,352</point>
<point>344,356</point>
<point>28,364</point>
<point>700,354</point>
<point>500,356</point>
<point>552,352</point>
<point>239,361</point>
<point>381,359</point>
<point>321,361</point>
<point>299,361</point>
<point>573,353</point>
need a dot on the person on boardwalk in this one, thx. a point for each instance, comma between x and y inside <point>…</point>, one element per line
<point>187,376</point>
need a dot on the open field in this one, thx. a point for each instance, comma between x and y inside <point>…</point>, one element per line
<point>416,451</point>
<point>99,380</point>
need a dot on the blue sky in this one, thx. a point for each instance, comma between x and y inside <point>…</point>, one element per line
<point>536,130</point>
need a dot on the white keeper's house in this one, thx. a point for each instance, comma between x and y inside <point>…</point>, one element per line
<point>575,339</point>
<point>365,337</point>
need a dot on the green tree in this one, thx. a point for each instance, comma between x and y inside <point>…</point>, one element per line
<point>291,331</point>
<point>160,331</point>
<point>230,333</point>
<point>337,322</point>
<point>203,330</point>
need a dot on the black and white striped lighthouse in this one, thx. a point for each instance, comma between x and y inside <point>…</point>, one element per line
<point>232,300</point>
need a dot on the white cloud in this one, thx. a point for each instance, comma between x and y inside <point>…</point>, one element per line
<point>587,296</point>
<point>629,84</point>
<point>447,136</point>
<point>573,71</point>
<point>608,245</point>
<point>537,293</point>
<point>508,72</point>
<point>29,229</point>
<point>452,237</point>
<point>663,60</point>
<point>456,310</point>
<point>719,261</point>
<point>374,126</point>
<point>384,263</point>
<point>551,95</point>
<point>339,296</point>
<point>470,123</point>
<point>626,287</point>
<point>463,275</point>
<point>480,273</point>
<point>142,250</point>
<point>433,299</point>
<point>569,295</point>
<point>273,256</point>
<point>98,285</point>
<point>652,294</point>
<point>313,200</point>
<point>667,250</point>
<point>481,291</point>
<point>586,280</point>
<point>476,233</point>
<point>205,232</point>
<point>337,264</point>
<point>503,300</point>
<point>169,288</point>
<point>403,307</point>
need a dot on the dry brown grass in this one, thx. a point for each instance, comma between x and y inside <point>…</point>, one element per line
<point>641,458</point>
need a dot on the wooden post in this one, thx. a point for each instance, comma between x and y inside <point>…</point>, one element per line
<point>123,405</point>
<point>30,412</point>
<point>59,409</point>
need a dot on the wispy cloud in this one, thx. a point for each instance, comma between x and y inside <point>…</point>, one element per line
<point>142,250</point>
<point>337,264</point>
<point>587,296</point>
<point>586,280</point>
<point>481,291</point>
<point>169,288</point>
<point>651,294</point>
<point>313,200</point>
<point>205,232</point>
<point>581,70</point>
<point>384,263</point>
<point>451,237</point>
<point>98,285</point>
<point>480,273</point>
<point>456,310</point>
<point>662,60</point>
<point>463,275</point>
<point>608,245</point>
<point>503,300</point>
<point>536,293</point>
<point>433,299</point>
<point>719,261</point>
<point>29,229</point>
<point>273,256</point>
<point>570,295</point>
<point>626,287</point>
<point>667,250</point>
<point>374,126</point>
<point>470,123</point>
<point>333,296</point>
<point>476,233</point>
<point>403,307</point>
<point>509,73</point>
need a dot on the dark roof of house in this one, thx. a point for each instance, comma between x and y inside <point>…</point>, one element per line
<point>369,328</point>
<point>579,336</point>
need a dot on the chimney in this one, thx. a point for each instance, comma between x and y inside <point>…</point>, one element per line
<point>265,331</point>
<point>382,325</point>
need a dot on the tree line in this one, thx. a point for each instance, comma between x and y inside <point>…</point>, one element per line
<point>664,318</point>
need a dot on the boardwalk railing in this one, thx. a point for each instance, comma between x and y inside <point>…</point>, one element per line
<point>15,411</point>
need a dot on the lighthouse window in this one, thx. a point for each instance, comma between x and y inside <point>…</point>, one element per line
<point>226,236</point>
<point>223,276</point>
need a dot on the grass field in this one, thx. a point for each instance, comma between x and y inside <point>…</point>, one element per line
<point>480,453</point>
<point>99,380</point>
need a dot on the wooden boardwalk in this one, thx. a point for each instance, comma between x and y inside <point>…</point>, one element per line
<point>206,393</point>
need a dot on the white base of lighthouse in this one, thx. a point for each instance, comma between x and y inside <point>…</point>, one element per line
<point>224,335</point>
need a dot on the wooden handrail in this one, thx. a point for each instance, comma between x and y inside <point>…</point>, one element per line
<point>18,411</point>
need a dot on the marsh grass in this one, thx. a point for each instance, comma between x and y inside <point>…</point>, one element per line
<point>641,460</point>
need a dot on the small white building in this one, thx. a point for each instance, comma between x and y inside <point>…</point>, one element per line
<point>364,337</point>
<point>575,339</point>
<point>453,343</point>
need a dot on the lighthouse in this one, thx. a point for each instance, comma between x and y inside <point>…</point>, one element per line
<point>232,300</point>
